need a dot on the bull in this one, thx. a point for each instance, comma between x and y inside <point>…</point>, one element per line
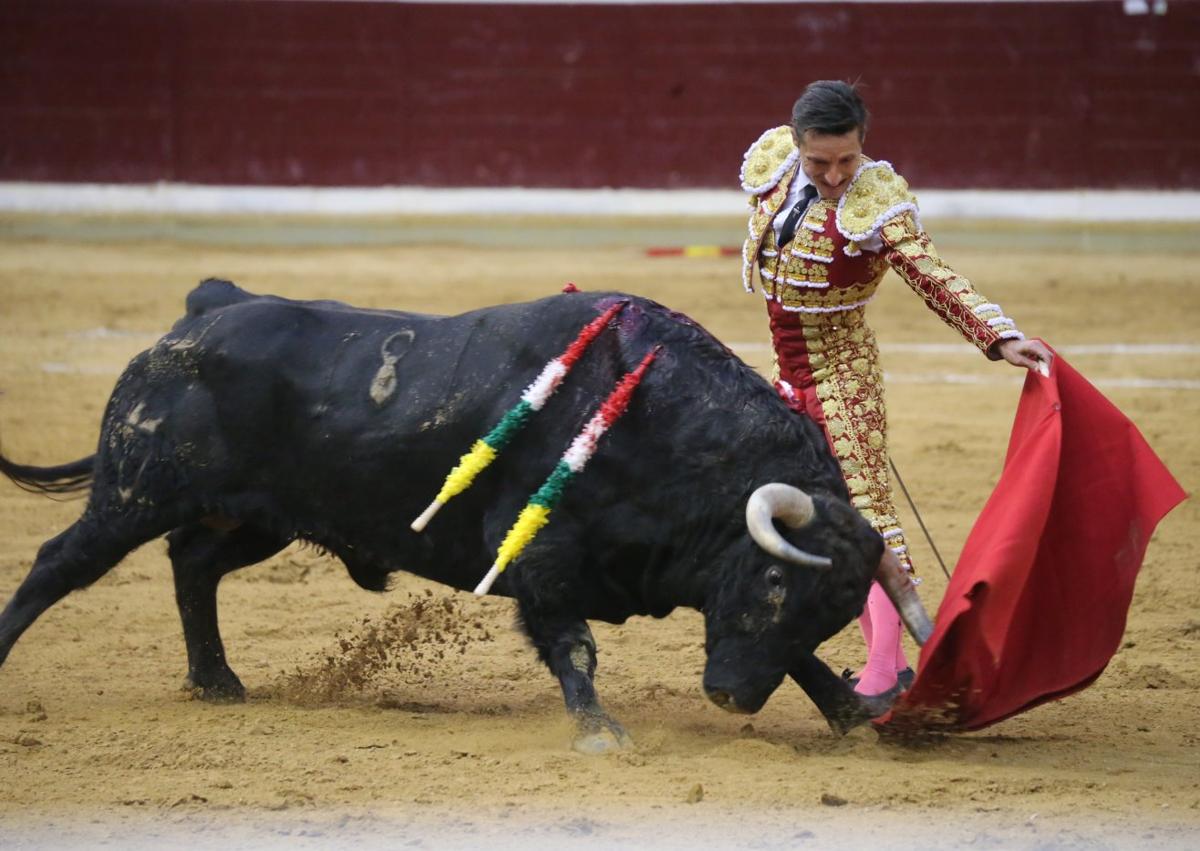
<point>258,421</point>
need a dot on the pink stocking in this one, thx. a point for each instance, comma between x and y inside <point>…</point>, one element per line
<point>864,623</point>
<point>884,652</point>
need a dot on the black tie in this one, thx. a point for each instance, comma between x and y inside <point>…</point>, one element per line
<point>793,219</point>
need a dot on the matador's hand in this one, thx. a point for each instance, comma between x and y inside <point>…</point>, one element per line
<point>1026,353</point>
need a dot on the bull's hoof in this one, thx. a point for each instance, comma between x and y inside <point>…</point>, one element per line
<point>599,734</point>
<point>224,689</point>
<point>602,742</point>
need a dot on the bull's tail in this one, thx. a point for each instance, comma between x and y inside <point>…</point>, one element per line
<point>63,479</point>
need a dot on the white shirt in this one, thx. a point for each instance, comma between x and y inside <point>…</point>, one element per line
<point>795,193</point>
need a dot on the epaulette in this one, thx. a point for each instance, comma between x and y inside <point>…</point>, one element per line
<point>768,159</point>
<point>875,196</point>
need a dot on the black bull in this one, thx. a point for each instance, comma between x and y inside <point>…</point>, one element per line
<point>258,421</point>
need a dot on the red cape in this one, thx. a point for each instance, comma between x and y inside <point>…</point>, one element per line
<point>1037,604</point>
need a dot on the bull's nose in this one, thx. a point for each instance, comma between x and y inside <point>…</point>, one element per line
<point>724,700</point>
<point>720,698</point>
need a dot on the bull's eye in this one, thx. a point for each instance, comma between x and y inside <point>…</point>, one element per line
<point>774,576</point>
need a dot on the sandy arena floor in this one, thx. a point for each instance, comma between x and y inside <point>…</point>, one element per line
<point>419,718</point>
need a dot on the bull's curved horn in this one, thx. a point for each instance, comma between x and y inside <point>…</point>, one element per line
<point>789,504</point>
<point>900,591</point>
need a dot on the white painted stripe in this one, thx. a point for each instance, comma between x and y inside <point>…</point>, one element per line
<point>1081,205</point>
<point>181,198</point>
<point>1136,7</point>
<point>1154,349</point>
<point>57,368</point>
<point>1016,381</point>
<point>1084,205</point>
<point>105,333</point>
<point>1128,349</point>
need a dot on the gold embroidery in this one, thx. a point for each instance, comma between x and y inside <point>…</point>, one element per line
<point>815,215</point>
<point>842,353</point>
<point>832,301</point>
<point>876,190</point>
<point>845,366</point>
<point>766,156</point>
<point>801,284</point>
<point>813,243</point>
<point>762,235</point>
<point>802,271</point>
<point>950,295</point>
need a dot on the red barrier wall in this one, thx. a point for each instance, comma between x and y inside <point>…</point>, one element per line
<point>983,95</point>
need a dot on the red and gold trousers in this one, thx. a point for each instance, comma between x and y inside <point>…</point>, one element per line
<point>827,367</point>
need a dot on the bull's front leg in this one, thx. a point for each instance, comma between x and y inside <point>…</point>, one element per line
<point>569,651</point>
<point>843,707</point>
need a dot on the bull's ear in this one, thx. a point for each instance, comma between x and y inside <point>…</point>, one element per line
<point>795,508</point>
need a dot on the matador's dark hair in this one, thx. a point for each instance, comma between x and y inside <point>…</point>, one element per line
<point>830,107</point>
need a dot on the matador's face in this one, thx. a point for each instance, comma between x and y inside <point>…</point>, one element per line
<point>829,161</point>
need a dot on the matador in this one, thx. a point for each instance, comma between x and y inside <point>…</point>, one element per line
<point>827,224</point>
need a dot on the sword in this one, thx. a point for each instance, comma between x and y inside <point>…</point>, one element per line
<point>913,505</point>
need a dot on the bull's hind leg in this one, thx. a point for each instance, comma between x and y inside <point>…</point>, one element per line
<point>74,559</point>
<point>200,556</point>
<point>568,649</point>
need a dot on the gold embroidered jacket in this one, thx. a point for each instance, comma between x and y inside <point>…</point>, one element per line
<point>843,248</point>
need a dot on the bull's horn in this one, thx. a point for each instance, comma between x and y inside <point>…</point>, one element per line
<point>789,504</point>
<point>900,591</point>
